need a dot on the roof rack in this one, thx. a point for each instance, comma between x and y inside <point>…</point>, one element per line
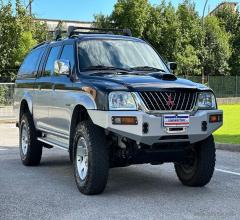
<point>73,30</point>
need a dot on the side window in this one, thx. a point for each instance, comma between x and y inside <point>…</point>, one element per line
<point>29,65</point>
<point>68,54</point>
<point>52,57</point>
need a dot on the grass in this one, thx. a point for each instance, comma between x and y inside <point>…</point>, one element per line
<point>230,131</point>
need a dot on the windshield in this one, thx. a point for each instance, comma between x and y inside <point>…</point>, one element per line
<point>118,54</point>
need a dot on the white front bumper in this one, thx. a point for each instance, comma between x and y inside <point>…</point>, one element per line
<point>156,133</point>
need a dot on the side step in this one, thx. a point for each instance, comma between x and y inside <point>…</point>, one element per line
<point>49,142</point>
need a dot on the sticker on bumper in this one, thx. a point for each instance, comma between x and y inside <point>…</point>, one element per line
<point>176,120</point>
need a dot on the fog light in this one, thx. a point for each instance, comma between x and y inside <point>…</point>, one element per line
<point>204,126</point>
<point>145,127</point>
<point>215,118</point>
<point>124,120</point>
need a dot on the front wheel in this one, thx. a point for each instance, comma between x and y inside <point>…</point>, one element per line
<point>90,158</point>
<point>199,166</point>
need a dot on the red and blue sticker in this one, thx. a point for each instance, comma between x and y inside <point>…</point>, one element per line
<point>173,120</point>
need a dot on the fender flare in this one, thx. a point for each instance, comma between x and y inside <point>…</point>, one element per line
<point>28,99</point>
<point>84,99</point>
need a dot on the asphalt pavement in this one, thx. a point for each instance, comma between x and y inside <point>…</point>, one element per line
<point>136,192</point>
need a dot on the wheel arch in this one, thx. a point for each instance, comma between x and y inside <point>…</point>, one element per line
<point>79,114</point>
<point>25,106</point>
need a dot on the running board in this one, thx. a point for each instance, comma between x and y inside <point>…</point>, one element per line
<point>52,144</point>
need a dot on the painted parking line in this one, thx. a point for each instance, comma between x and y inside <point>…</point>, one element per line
<point>228,172</point>
<point>3,149</point>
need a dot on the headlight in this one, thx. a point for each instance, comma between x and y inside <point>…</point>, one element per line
<point>121,101</point>
<point>206,100</point>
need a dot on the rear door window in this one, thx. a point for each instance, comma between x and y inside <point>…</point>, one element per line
<point>30,64</point>
<point>52,57</point>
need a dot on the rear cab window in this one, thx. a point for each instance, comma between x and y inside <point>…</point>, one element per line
<point>30,64</point>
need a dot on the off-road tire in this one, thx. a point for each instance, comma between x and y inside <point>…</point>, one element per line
<point>98,158</point>
<point>203,168</point>
<point>33,154</point>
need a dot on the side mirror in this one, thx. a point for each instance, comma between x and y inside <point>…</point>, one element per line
<point>62,67</point>
<point>172,65</point>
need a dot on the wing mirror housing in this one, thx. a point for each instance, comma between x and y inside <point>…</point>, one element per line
<point>62,67</point>
<point>172,65</point>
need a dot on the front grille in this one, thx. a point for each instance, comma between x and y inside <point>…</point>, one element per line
<point>169,100</point>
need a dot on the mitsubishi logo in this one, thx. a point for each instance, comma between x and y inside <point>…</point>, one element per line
<point>170,102</point>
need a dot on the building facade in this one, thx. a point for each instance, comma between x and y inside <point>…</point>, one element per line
<point>231,5</point>
<point>53,23</point>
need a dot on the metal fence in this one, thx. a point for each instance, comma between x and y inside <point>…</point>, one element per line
<point>6,100</point>
<point>223,86</point>
<point>6,93</point>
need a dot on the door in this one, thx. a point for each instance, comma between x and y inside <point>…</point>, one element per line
<point>60,113</point>
<point>44,85</point>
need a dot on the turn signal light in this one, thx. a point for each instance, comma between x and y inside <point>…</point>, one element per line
<point>124,120</point>
<point>215,118</point>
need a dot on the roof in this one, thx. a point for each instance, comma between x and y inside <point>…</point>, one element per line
<point>52,24</point>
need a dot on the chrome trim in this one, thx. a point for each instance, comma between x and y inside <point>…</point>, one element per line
<point>139,102</point>
<point>143,107</point>
<point>152,100</point>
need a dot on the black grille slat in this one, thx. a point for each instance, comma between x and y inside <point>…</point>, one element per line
<point>155,101</point>
<point>184,96</point>
<point>169,100</point>
<point>179,98</point>
<point>162,105</point>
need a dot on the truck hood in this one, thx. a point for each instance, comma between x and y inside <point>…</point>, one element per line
<point>146,82</point>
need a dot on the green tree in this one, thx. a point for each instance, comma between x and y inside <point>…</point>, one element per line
<point>131,14</point>
<point>8,34</point>
<point>18,34</point>
<point>217,47</point>
<point>189,45</point>
<point>162,30</point>
<point>230,21</point>
<point>26,42</point>
<point>102,21</point>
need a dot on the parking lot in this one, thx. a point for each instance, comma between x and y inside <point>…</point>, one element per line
<point>136,192</point>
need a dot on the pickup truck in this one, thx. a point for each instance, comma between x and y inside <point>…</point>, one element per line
<point>111,100</point>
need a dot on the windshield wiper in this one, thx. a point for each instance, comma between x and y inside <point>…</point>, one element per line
<point>102,67</point>
<point>147,68</point>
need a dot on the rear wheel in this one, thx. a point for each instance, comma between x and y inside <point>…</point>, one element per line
<point>198,169</point>
<point>90,158</point>
<point>30,147</point>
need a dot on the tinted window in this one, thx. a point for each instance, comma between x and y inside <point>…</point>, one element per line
<point>68,54</point>
<point>52,57</point>
<point>31,62</point>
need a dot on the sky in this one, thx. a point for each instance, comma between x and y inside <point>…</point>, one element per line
<point>84,10</point>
